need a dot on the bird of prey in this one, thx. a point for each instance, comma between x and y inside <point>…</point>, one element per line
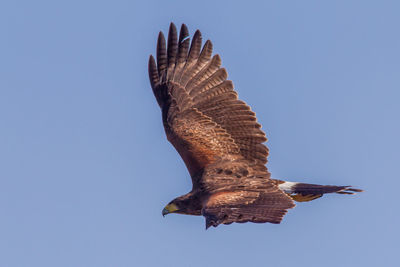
<point>218,138</point>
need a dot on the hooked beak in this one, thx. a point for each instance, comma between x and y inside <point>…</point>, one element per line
<point>164,212</point>
<point>170,208</point>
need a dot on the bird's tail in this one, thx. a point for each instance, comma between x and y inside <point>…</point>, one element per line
<point>302,192</point>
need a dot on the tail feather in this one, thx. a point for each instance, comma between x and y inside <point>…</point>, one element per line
<point>302,192</point>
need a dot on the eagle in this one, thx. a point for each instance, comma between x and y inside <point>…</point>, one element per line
<point>219,139</point>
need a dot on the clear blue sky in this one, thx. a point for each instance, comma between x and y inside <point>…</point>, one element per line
<point>85,168</point>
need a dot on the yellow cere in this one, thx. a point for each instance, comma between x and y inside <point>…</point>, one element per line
<point>171,207</point>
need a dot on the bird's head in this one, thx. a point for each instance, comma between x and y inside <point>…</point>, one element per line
<point>172,207</point>
<point>186,204</point>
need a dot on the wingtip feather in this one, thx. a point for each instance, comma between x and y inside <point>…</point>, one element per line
<point>161,53</point>
<point>172,48</point>
<point>153,73</point>
<point>184,32</point>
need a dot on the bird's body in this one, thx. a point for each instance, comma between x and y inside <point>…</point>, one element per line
<point>218,138</point>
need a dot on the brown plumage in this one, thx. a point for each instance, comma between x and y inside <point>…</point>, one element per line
<point>218,138</point>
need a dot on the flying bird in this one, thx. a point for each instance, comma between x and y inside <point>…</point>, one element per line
<point>219,139</point>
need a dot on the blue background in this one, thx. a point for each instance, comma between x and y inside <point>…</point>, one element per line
<point>85,168</point>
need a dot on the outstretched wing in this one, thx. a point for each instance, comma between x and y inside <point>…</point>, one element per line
<point>202,115</point>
